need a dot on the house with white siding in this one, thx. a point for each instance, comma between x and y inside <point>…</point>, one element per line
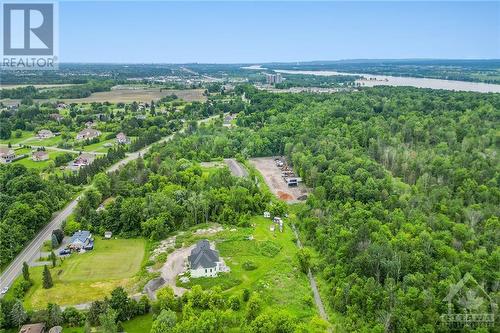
<point>204,261</point>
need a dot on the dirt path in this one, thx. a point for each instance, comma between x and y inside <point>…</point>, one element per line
<point>236,168</point>
<point>314,286</point>
<point>175,265</point>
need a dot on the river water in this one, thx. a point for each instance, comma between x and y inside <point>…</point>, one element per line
<point>370,80</point>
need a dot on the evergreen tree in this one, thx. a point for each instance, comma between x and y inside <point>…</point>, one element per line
<point>55,241</point>
<point>18,314</point>
<point>47,278</point>
<point>53,258</point>
<point>55,317</point>
<point>26,271</point>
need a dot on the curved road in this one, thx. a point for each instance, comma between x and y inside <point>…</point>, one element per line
<point>31,251</point>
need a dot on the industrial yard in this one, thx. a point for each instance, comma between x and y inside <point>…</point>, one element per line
<point>280,178</point>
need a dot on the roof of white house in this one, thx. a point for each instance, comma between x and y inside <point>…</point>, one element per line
<point>203,256</point>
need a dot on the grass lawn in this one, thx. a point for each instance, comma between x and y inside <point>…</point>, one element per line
<point>99,147</point>
<point>50,142</point>
<point>89,276</point>
<point>14,140</point>
<point>139,324</point>
<point>29,163</point>
<point>276,277</point>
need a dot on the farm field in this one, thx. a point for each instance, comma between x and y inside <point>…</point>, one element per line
<point>275,274</point>
<point>89,276</point>
<point>145,95</point>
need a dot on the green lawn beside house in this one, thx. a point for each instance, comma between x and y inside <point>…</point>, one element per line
<point>276,276</point>
<point>89,276</point>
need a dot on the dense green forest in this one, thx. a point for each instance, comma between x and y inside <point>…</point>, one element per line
<point>27,202</point>
<point>405,192</point>
<point>155,197</point>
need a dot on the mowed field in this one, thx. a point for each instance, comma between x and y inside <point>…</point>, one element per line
<point>145,95</point>
<point>275,274</point>
<point>90,276</point>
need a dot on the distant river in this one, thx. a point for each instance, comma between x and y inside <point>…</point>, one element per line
<point>385,80</point>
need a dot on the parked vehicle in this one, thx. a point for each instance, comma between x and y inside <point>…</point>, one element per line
<point>64,252</point>
<point>4,290</point>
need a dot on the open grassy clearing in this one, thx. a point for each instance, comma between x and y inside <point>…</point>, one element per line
<point>49,142</point>
<point>29,163</point>
<point>99,146</point>
<point>139,324</point>
<point>145,95</point>
<point>15,140</point>
<point>89,276</point>
<point>275,276</point>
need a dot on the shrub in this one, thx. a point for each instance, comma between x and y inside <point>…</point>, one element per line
<point>249,266</point>
<point>269,248</point>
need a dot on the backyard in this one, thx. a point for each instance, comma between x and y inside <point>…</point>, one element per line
<point>89,276</point>
<point>265,264</point>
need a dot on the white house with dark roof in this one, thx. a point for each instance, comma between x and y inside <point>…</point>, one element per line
<point>204,261</point>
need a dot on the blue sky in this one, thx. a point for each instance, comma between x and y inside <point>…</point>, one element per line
<point>253,32</point>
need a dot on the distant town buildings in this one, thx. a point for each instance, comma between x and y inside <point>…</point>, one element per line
<point>274,78</point>
<point>7,155</point>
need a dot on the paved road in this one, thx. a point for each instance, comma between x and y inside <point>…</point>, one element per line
<point>236,168</point>
<point>31,251</point>
<point>314,287</point>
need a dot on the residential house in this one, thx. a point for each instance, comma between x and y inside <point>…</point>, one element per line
<point>121,138</point>
<point>204,261</point>
<point>44,134</point>
<point>88,134</point>
<point>83,160</point>
<point>56,117</point>
<point>81,240</point>
<point>7,155</point>
<point>40,155</point>
<point>33,328</point>
<point>90,124</point>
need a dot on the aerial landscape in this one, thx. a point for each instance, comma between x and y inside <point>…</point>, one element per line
<point>200,167</point>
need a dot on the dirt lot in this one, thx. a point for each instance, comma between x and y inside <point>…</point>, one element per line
<point>272,175</point>
<point>139,95</point>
